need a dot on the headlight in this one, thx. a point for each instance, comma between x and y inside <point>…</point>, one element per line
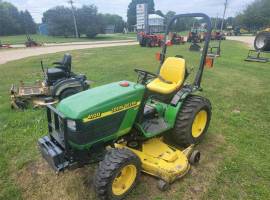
<point>71,125</point>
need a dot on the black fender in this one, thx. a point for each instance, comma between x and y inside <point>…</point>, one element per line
<point>59,87</point>
<point>182,94</point>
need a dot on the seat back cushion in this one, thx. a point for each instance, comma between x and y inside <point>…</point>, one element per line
<point>67,62</point>
<point>173,69</point>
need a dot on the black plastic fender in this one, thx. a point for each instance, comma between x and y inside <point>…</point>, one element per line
<point>181,95</point>
<point>59,87</point>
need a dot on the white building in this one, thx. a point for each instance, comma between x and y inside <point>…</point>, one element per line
<point>156,23</point>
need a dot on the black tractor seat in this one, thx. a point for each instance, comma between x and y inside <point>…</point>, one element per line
<point>55,73</point>
<point>61,70</point>
<point>65,64</point>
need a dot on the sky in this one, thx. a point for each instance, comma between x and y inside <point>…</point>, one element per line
<point>210,7</point>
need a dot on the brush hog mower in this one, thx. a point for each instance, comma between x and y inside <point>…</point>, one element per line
<point>127,125</point>
<point>60,82</point>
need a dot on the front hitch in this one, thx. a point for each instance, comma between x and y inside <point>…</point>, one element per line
<point>53,154</point>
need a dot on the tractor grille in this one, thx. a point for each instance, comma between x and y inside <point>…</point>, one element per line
<point>56,125</point>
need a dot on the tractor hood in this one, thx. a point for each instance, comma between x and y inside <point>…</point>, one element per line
<point>104,99</point>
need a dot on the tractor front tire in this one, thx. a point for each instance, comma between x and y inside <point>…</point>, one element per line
<point>117,174</point>
<point>192,121</point>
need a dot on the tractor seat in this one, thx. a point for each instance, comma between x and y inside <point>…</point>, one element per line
<point>65,64</point>
<point>173,71</point>
<point>61,70</point>
<point>54,74</point>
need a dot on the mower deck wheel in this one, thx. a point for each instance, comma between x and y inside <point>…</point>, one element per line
<point>163,185</point>
<point>195,157</point>
<point>117,174</point>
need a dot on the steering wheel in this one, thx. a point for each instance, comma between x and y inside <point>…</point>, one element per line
<point>143,72</point>
<point>144,76</point>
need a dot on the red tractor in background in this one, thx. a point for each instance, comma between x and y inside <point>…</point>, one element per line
<point>150,40</point>
<point>157,40</point>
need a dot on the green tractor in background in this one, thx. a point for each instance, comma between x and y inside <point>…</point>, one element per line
<point>130,124</point>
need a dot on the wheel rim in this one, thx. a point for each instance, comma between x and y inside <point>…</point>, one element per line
<point>199,123</point>
<point>260,41</point>
<point>124,180</point>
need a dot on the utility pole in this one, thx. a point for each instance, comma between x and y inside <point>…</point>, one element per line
<point>223,19</point>
<point>74,18</point>
<point>222,24</point>
<point>215,27</point>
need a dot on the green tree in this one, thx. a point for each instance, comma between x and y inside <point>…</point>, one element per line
<point>115,20</point>
<point>160,13</point>
<point>131,12</point>
<point>230,21</point>
<point>27,22</point>
<point>11,20</point>
<point>89,21</point>
<point>181,24</point>
<point>59,21</point>
<point>255,16</point>
<point>169,15</point>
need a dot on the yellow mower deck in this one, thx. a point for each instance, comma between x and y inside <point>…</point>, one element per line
<point>161,160</point>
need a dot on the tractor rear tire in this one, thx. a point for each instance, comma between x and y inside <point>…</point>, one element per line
<point>117,174</point>
<point>67,93</point>
<point>192,121</point>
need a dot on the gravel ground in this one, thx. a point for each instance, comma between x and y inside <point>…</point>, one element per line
<point>19,53</point>
<point>249,40</point>
<point>16,54</point>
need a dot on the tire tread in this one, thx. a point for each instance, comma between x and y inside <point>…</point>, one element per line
<point>108,167</point>
<point>181,131</point>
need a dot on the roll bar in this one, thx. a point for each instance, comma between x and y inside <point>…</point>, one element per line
<point>197,81</point>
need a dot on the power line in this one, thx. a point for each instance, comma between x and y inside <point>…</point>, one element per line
<point>74,18</point>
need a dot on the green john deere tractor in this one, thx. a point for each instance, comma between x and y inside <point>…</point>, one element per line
<point>126,125</point>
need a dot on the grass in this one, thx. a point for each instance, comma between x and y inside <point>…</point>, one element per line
<point>20,39</point>
<point>235,153</point>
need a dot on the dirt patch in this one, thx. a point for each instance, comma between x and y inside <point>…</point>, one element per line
<point>249,40</point>
<point>38,181</point>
